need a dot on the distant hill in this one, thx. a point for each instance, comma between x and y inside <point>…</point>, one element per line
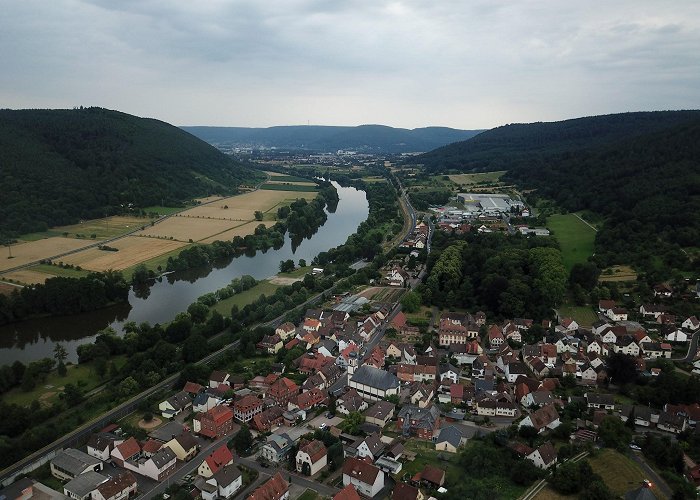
<point>364,138</point>
<point>59,166</point>
<point>640,171</point>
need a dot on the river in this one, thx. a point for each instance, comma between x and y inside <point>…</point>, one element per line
<point>35,339</point>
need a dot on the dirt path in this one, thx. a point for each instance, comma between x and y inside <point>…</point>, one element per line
<point>586,223</point>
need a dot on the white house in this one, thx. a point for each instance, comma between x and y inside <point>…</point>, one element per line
<point>676,335</point>
<point>691,324</point>
<point>367,479</point>
<point>544,457</point>
<point>314,455</point>
<point>617,314</point>
<point>223,484</point>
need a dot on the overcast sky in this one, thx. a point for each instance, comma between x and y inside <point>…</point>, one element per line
<point>464,64</point>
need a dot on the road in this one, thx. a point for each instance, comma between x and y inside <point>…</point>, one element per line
<point>692,349</point>
<point>652,475</point>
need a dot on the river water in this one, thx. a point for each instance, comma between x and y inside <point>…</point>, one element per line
<point>34,339</point>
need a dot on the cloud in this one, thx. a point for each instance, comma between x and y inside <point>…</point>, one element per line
<point>465,64</point>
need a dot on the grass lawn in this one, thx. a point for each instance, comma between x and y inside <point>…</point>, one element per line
<point>160,210</point>
<point>47,391</point>
<point>619,472</point>
<point>59,271</point>
<point>297,273</point>
<point>618,273</point>
<point>469,179</point>
<point>288,178</point>
<point>309,495</point>
<point>370,180</point>
<point>575,238</point>
<point>548,493</point>
<point>584,316</point>
<point>426,455</point>
<point>421,316</point>
<point>40,236</point>
<point>244,298</point>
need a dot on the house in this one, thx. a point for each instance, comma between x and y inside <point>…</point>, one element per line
<point>652,350</point>
<point>347,493</point>
<point>449,372</point>
<point>543,419</point>
<point>276,488</point>
<point>184,446</point>
<point>617,314</point>
<point>449,439</point>
<point>350,402</point>
<point>397,277</point>
<point>370,446</point>
<point>419,422</point>
<point>101,445</point>
<point>157,467</point>
<point>673,334</point>
<point>374,384</point>
<point>270,344</point>
<point>652,310</point>
<point>205,401</point>
<point>219,458</point>
<point>605,305</point>
<point>282,391</point>
<point>514,370</point>
<point>223,484</point>
<point>405,491</point>
<point>663,290</point>
<point>642,414</point>
<point>495,336</point>
<point>380,413</point>
<point>600,401</point>
<point>128,450</point>
<point>311,457</point>
<point>627,345</point>
<point>117,487</point>
<point>70,463</point>
<point>286,330</point>
<point>431,476</point>
<point>421,394</point>
<point>692,323</point>
<point>82,486</point>
<point>416,372</point>
<point>367,479</point>
<point>214,423</point>
<point>268,418</point>
<point>672,423</point>
<point>277,447</point>
<point>218,378</point>
<point>308,399</point>
<point>569,324</point>
<point>175,404</point>
<point>544,456</point>
<point>246,408</point>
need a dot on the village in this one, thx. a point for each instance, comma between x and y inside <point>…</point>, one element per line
<point>375,405</point>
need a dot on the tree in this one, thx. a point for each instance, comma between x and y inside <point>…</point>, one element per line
<point>622,368</point>
<point>302,263</point>
<point>596,490</point>
<point>198,312</point>
<point>259,215</point>
<point>127,387</point>
<point>566,478</point>
<point>614,434</point>
<point>410,302</point>
<point>306,469</point>
<point>243,440</point>
<point>352,422</point>
<point>194,348</point>
<point>59,353</point>
<point>286,266</point>
<point>72,395</point>
<point>336,457</point>
<point>61,369</point>
<point>28,381</point>
<point>584,274</point>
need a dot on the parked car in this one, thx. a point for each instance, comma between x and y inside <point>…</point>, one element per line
<point>635,447</point>
<point>323,426</point>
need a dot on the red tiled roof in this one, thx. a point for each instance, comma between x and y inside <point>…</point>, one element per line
<point>129,448</point>
<point>273,489</point>
<point>219,458</point>
<point>362,471</point>
<point>192,388</point>
<point>347,493</point>
<point>151,446</point>
<point>315,449</point>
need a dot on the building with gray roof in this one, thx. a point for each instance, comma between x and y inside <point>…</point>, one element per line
<point>374,384</point>
<point>70,463</point>
<point>83,485</point>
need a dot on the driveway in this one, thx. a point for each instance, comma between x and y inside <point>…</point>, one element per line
<point>652,475</point>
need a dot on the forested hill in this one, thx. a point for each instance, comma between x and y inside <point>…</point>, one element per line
<point>364,138</point>
<point>640,171</point>
<point>527,145</point>
<point>59,166</point>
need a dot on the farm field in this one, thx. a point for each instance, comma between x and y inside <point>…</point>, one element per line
<point>618,273</point>
<point>132,250</point>
<point>244,298</point>
<point>208,199</point>
<point>160,210</point>
<point>185,229</point>
<point>107,227</point>
<point>27,276</point>
<point>55,270</point>
<point>285,186</point>
<point>584,316</point>
<point>244,206</point>
<point>471,179</point>
<point>242,230</point>
<point>383,294</point>
<point>575,238</point>
<point>31,251</point>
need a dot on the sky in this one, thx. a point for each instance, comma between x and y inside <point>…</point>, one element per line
<point>258,63</point>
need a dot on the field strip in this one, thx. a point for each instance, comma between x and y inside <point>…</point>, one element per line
<point>586,223</point>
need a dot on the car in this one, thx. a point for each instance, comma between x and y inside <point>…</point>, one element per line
<point>635,447</point>
<point>329,414</point>
<point>323,426</point>
<point>264,464</point>
<point>647,483</point>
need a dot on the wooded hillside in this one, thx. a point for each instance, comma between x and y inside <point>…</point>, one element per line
<point>59,166</point>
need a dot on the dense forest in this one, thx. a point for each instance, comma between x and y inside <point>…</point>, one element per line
<point>504,276</point>
<point>59,166</point>
<point>368,138</point>
<point>640,171</point>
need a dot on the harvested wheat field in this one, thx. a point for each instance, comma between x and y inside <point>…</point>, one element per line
<point>27,276</point>
<point>32,251</point>
<point>132,250</point>
<point>188,228</point>
<point>242,230</point>
<point>244,206</point>
<point>208,199</point>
